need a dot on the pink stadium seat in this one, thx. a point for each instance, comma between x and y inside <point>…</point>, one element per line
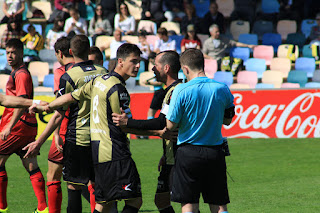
<point>151,39</point>
<point>239,86</point>
<point>264,52</point>
<point>290,85</point>
<point>247,77</point>
<point>56,65</point>
<point>225,7</point>
<point>147,25</point>
<point>210,67</point>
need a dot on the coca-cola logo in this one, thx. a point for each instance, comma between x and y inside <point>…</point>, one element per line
<point>295,117</point>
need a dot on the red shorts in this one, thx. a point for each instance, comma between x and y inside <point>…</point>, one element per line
<point>14,144</point>
<point>54,155</point>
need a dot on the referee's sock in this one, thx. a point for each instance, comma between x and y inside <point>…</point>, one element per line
<point>74,201</point>
<point>3,187</point>
<point>92,197</point>
<point>129,209</point>
<point>150,117</point>
<point>169,209</point>
<point>54,196</point>
<point>39,188</point>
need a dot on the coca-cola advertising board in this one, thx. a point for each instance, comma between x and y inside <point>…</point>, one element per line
<point>262,113</point>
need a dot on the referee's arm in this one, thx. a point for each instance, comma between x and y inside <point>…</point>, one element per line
<point>228,115</point>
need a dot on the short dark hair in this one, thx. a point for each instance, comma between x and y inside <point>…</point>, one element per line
<point>31,27</point>
<point>96,51</point>
<point>192,58</point>
<point>80,46</point>
<point>172,58</point>
<point>142,33</point>
<point>15,43</point>
<point>162,31</point>
<point>63,44</point>
<point>126,49</point>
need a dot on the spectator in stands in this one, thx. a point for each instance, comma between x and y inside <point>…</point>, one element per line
<point>213,16</point>
<point>75,25</point>
<point>99,25</point>
<point>174,10</point>
<point>152,10</point>
<point>62,9</point>
<point>33,43</point>
<point>291,9</point>
<point>55,33</point>
<point>124,22</point>
<point>12,9</point>
<point>190,18</point>
<point>215,47</point>
<point>14,30</point>
<point>244,10</point>
<point>109,10</point>
<point>145,48</point>
<point>164,42</point>
<point>95,55</point>
<point>315,31</point>
<point>191,39</point>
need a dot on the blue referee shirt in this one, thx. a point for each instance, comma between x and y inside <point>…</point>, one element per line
<point>198,107</point>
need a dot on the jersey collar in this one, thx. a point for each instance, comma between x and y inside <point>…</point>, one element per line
<point>113,73</point>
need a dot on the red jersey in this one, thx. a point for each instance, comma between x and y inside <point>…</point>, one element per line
<point>57,75</point>
<point>20,84</point>
<point>188,43</point>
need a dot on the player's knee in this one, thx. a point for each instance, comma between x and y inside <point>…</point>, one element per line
<point>162,200</point>
<point>53,175</point>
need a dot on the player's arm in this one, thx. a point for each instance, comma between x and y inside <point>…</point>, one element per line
<point>171,125</point>
<point>17,113</point>
<point>11,101</point>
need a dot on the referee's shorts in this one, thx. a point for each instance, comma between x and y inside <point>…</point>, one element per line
<point>200,170</point>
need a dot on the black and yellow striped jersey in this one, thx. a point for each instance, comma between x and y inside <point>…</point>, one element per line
<point>79,116</point>
<point>107,94</point>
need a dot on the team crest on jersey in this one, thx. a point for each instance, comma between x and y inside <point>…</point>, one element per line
<point>105,77</point>
<point>89,68</point>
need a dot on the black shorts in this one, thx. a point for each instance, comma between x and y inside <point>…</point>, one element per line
<point>117,180</point>
<point>77,164</point>
<point>157,99</point>
<point>200,169</point>
<point>165,179</point>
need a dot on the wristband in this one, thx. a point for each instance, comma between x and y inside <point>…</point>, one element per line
<point>36,101</point>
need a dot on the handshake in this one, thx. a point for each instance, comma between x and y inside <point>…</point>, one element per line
<point>40,106</point>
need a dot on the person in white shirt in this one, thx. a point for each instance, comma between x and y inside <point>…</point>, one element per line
<point>75,25</point>
<point>164,43</point>
<point>124,21</point>
<point>12,9</point>
<point>55,33</point>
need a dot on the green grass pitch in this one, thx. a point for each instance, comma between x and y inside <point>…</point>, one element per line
<point>269,175</point>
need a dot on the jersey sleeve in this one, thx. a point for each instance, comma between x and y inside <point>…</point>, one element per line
<point>120,98</point>
<point>57,75</point>
<point>175,111</point>
<point>64,87</point>
<point>83,92</point>
<point>23,82</point>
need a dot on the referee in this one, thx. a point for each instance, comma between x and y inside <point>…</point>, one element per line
<point>199,108</point>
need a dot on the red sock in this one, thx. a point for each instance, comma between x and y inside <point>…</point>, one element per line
<point>3,188</point>
<point>38,185</point>
<point>54,196</point>
<point>92,197</point>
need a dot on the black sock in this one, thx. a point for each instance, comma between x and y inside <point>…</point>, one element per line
<point>114,208</point>
<point>74,201</point>
<point>85,193</point>
<point>129,209</point>
<point>167,210</point>
<point>96,211</point>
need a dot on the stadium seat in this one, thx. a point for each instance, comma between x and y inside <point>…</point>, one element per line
<point>210,67</point>
<point>3,28</point>
<point>312,85</point>
<point>285,27</point>
<point>178,39</point>
<point>39,68</point>
<point>225,7</point>
<point>203,37</point>
<point>257,65</point>
<point>4,79</point>
<point>316,76</point>
<point>264,52</point>
<point>182,76</point>
<point>135,8</point>
<point>146,76</point>
<point>3,59</point>
<point>44,6</point>
<point>104,41</point>
<point>56,65</point>
<point>270,6</point>
<point>106,64</point>
<point>35,81</point>
<point>131,39</point>
<point>224,77</point>
<point>272,77</point>
<point>273,39</point>
<point>240,52</point>
<point>47,28</point>
<point>306,26</point>
<point>288,51</point>
<point>307,51</point>
<point>141,69</point>
<point>48,81</point>
<point>86,11</point>
<point>296,76</point>
<point>171,26</point>
<point>149,26</point>
<point>248,39</point>
<point>296,39</point>
<point>238,27</point>
<point>261,27</point>
<point>247,77</point>
<point>151,39</point>
<point>239,86</point>
<point>281,64</point>
<point>307,65</point>
<point>290,85</point>
<point>38,27</point>
<point>264,86</point>
<point>202,7</point>
<point>48,56</point>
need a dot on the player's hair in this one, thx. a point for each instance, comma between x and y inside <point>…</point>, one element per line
<point>193,58</point>
<point>126,49</point>
<point>80,46</point>
<point>171,58</point>
<point>63,44</point>
<point>15,43</point>
<point>96,51</point>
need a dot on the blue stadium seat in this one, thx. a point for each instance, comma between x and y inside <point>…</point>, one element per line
<point>307,65</point>
<point>264,86</point>
<point>240,52</point>
<point>257,65</point>
<point>106,64</point>
<point>296,39</point>
<point>306,26</point>
<point>316,76</point>
<point>273,39</point>
<point>261,27</point>
<point>48,27</point>
<point>202,7</point>
<point>38,28</point>
<point>86,11</point>
<point>296,76</point>
<point>248,39</point>
<point>3,59</point>
<point>48,56</point>
<point>270,6</point>
<point>141,69</point>
<point>307,51</point>
<point>224,77</point>
<point>312,85</point>
<point>48,81</point>
<point>182,76</point>
<point>178,39</point>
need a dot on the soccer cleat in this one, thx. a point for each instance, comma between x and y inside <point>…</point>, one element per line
<point>4,210</point>
<point>46,210</point>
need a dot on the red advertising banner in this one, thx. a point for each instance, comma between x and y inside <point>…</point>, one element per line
<point>262,113</point>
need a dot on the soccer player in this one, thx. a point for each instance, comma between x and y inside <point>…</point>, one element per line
<point>167,66</point>
<point>10,101</point>
<point>18,128</point>
<point>95,55</point>
<point>77,160</point>
<point>116,175</point>
<point>199,108</point>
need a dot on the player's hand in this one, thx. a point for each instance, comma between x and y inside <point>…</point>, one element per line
<point>59,143</point>
<point>43,103</point>
<point>5,133</point>
<point>32,149</point>
<point>168,134</point>
<point>161,163</point>
<point>120,120</point>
